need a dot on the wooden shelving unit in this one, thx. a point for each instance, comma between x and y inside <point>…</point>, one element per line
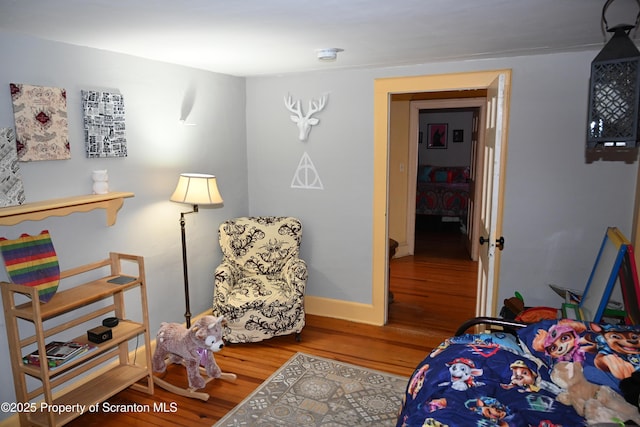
<point>111,202</point>
<point>101,383</point>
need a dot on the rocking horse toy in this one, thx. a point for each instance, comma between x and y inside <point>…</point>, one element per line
<point>193,348</point>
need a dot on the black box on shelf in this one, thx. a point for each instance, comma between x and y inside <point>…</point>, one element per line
<point>99,334</point>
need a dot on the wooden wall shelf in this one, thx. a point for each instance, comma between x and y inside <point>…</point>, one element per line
<point>36,211</point>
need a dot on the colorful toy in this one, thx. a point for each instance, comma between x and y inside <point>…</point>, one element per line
<point>562,341</point>
<point>194,348</point>
<point>598,404</point>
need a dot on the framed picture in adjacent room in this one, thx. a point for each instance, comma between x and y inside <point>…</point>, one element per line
<point>437,134</point>
<point>458,135</point>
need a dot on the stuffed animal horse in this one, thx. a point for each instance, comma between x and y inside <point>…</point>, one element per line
<point>192,347</point>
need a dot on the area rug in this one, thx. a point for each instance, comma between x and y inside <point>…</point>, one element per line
<point>314,391</point>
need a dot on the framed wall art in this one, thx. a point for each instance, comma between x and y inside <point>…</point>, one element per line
<point>41,122</point>
<point>437,134</point>
<point>104,127</point>
<point>458,135</point>
<point>11,187</point>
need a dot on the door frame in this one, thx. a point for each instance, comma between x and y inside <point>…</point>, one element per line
<point>383,89</point>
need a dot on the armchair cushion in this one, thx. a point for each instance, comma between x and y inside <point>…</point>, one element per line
<point>260,283</point>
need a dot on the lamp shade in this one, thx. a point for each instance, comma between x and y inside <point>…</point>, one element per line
<point>197,189</point>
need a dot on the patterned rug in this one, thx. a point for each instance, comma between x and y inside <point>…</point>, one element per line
<point>314,391</point>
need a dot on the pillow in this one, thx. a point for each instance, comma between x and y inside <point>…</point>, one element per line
<point>441,175</point>
<point>424,173</point>
<point>608,353</point>
<point>459,174</point>
<point>32,261</point>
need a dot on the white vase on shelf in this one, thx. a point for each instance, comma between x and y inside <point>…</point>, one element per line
<point>100,181</point>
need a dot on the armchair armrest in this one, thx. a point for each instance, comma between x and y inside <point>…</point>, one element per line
<point>295,272</point>
<point>226,276</point>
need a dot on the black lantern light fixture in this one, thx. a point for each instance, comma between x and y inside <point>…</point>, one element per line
<point>614,92</point>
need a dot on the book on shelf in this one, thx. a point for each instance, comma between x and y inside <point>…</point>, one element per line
<point>58,352</point>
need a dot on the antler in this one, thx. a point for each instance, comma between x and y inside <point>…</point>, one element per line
<point>292,106</point>
<point>315,107</point>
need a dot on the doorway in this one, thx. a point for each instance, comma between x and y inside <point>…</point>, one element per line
<point>433,276</point>
<point>384,88</point>
<point>442,183</point>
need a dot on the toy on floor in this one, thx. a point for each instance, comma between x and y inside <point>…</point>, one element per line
<point>194,348</point>
<point>513,307</point>
<point>596,403</point>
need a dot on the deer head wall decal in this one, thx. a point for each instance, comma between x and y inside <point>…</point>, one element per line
<point>305,121</point>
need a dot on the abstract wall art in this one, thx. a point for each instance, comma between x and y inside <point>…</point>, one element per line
<point>104,128</point>
<point>11,187</point>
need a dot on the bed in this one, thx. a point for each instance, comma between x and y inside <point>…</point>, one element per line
<point>503,378</point>
<point>443,191</point>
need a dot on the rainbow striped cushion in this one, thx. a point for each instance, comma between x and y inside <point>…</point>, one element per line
<point>32,261</point>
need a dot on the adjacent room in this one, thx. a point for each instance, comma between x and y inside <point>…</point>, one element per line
<point>222,213</point>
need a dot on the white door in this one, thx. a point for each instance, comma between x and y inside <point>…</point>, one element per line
<point>475,179</point>
<point>491,199</point>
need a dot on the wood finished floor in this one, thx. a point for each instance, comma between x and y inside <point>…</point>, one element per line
<point>434,292</point>
<point>435,289</point>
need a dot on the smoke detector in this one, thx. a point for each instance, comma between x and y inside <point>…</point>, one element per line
<point>328,54</point>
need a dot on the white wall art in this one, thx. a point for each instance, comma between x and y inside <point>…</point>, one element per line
<point>306,176</point>
<point>11,187</point>
<point>305,121</point>
<point>41,122</point>
<point>104,128</point>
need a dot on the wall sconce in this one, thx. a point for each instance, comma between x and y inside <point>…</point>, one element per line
<point>614,92</point>
<point>195,189</point>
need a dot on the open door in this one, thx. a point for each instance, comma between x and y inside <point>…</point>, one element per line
<point>475,179</point>
<point>490,226</point>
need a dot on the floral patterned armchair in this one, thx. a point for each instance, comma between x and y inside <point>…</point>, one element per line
<point>259,286</point>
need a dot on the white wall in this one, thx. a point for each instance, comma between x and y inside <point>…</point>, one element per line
<point>337,220</point>
<point>159,148</point>
<point>556,208</point>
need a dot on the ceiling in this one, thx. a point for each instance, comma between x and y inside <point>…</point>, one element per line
<point>270,37</point>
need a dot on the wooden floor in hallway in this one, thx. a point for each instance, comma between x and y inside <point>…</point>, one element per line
<point>434,289</point>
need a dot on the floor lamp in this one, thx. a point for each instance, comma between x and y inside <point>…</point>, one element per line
<point>194,189</point>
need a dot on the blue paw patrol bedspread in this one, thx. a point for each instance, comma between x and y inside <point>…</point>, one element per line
<point>500,380</point>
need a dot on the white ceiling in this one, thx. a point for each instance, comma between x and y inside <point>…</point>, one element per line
<point>262,37</point>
